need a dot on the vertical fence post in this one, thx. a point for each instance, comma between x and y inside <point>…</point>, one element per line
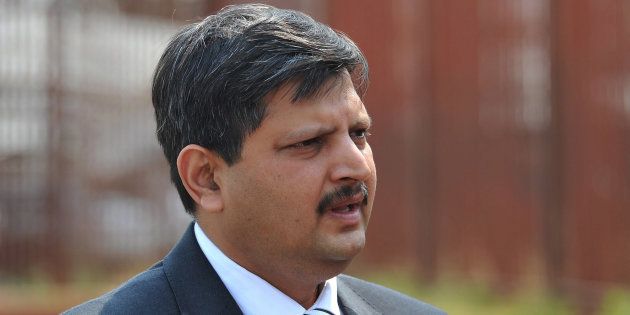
<point>424,150</point>
<point>552,210</point>
<point>53,246</point>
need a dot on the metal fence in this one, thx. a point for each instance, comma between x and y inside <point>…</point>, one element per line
<point>82,179</point>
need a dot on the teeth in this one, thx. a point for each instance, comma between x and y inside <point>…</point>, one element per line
<point>348,208</point>
<point>342,210</point>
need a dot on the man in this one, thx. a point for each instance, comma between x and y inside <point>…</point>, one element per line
<point>260,116</point>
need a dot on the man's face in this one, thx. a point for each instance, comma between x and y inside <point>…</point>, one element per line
<point>302,193</point>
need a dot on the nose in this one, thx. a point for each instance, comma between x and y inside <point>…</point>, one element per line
<point>351,163</point>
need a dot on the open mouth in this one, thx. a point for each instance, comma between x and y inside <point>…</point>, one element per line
<point>346,199</point>
<point>347,208</point>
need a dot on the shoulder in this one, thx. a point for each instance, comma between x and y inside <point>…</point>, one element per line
<point>147,293</point>
<point>386,301</point>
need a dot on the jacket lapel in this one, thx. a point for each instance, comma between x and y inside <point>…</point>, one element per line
<point>350,302</point>
<point>196,286</point>
<point>199,290</point>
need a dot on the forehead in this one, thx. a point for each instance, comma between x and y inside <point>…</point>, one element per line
<point>337,94</point>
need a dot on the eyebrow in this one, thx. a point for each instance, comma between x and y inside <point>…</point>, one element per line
<point>364,121</point>
<point>308,132</point>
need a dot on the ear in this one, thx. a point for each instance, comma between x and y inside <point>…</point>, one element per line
<point>197,168</point>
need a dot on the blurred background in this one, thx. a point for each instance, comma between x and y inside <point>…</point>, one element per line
<point>502,140</point>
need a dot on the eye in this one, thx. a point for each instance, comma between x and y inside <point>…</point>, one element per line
<point>310,143</point>
<point>360,135</point>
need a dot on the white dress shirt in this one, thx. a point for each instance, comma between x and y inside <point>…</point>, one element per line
<point>256,296</point>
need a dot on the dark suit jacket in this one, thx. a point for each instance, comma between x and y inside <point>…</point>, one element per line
<point>184,282</point>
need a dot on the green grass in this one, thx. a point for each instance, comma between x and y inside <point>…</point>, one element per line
<point>450,293</point>
<point>616,302</point>
<point>469,297</point>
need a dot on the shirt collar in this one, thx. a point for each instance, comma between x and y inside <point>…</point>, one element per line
<point>255,295</point>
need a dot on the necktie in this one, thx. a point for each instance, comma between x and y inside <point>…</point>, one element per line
<point>318,311</point>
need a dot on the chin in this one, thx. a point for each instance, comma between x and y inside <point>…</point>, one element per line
<point>346,248</point>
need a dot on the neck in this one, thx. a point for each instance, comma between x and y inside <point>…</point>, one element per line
<point>306,297</point>
<point>301,285</point>
<point>301,281</point>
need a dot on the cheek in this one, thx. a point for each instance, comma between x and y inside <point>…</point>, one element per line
<point>297,185</point>
<point>278,191</point>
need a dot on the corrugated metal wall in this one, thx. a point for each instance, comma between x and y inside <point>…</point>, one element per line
<point>501,137</point>
<point>465,86</point>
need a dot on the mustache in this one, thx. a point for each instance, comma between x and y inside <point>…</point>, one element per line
<point>341,193</point>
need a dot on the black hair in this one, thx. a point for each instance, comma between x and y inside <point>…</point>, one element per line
<point>210,83</point>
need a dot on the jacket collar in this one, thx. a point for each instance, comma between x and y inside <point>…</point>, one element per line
<point>196,286</point>
<point>350,302</point>
<point>199,290</point>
